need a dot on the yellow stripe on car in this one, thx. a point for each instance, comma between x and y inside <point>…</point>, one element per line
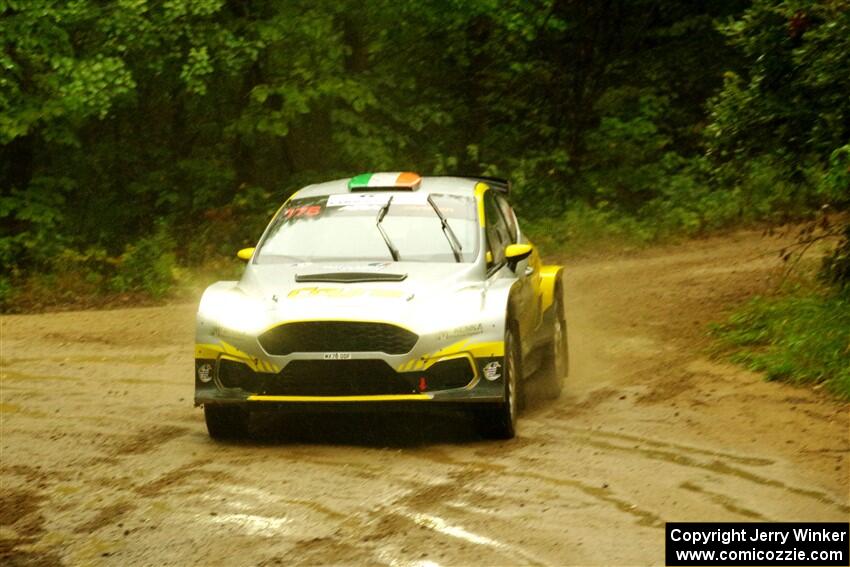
<point>207,351</point>
<point>210,350</point>
<point>462,347</point>
<point>480,189</point>
<point>382,398</point>
<point>478,350</point>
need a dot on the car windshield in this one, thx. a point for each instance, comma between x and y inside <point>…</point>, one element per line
<point>344,227</point>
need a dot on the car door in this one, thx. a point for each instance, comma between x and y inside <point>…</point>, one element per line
<point>530,267</point>
<point>499,237</point>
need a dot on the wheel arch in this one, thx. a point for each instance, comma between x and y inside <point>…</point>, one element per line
<point>551,277</point>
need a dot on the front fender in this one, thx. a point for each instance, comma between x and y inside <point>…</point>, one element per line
<point>550,276</point>
<point>502,298</point>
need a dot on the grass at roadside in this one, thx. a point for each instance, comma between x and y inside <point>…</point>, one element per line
<point>583,230</point>
<point>91,287</point>
<point>802,337</point>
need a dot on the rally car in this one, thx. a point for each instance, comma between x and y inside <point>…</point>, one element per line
<point>384,289</point>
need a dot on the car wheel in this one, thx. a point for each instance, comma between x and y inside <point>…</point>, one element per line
<point>558,358</point>
<point>500,422</point>
<point>226,422</point>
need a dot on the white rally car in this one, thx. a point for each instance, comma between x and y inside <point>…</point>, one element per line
<point>386,288</point>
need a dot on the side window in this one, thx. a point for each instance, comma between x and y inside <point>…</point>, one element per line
<point>509,215</point>
<point>498,234</point>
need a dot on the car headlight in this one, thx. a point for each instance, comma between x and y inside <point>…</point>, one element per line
<point>235,311</point>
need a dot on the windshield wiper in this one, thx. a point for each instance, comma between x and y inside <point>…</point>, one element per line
<point>381,214</point>
<point>447,230</point>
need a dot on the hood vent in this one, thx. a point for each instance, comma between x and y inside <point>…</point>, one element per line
<point>350,277</point>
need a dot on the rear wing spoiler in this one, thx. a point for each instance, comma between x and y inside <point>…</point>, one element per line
<point>496,183</point>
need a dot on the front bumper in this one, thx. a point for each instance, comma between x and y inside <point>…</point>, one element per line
<point>238,370</point>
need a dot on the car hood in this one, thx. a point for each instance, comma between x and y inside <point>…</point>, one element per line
<point>414,294</point>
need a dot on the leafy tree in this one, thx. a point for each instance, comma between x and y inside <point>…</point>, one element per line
<point>791,100</point>
<point>191,120</point>
<point>790,104</point>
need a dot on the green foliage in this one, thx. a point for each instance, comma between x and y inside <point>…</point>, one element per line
<point>789,111</point>
<point>698,196</point>
<point>836,187</point>
<point>48,84</point>
<point>796,51</point>
<point>6,292</point>
<point>582,229</point>
<point>835,184</point>
<point>802,338</point>
<point>180,107</point>
<point>621,121</point>
<point>836,266</point>
<point>32,221</point>
<point>692,197</point>
<point>792,98</point>
<point>147,265</point>
<point>147,268</point>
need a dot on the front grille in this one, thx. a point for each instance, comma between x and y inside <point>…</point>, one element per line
<point>337,336</point>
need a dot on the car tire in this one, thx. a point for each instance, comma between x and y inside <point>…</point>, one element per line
<point>499,422</point>
<point>557,365</point>
<point>225,421</point>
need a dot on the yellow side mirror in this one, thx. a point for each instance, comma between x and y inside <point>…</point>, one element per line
<point>245,253</point>
<point>516,253</point>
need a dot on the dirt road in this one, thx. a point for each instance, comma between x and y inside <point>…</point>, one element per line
<point>104,460</point>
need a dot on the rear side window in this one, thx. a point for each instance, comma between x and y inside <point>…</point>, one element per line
<point>496,229</point>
